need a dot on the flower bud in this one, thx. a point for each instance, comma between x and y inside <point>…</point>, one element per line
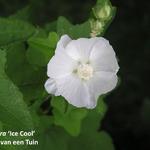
<point>96,27</point>
<point>102,12</point>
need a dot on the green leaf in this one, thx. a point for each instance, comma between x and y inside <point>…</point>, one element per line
<point>53,139</point>
<point>102,15</point>
<point>12,138</point>
<point>10,99</point>
<point>89,137</point>
<point>13,147</point>
<point>2,64</point>
<point>51,27</point>
<point>53,39</point>
<point>23,14</point>
<point>38,55</point>
<point>72,118</point>
<point>49,136</point>
<point>101,107</point>
<point>95,141</point>
<point>75,31</point>
<point>41,49</point>
<point>93,120</point>
<point>68,116</point>
<point>29,79</point>
<point>14,30</point>
<point>40,33</point>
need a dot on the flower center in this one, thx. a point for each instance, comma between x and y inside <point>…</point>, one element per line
<point>85,71</point>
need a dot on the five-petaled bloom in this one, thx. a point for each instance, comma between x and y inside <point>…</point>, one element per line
<point>81,70</point>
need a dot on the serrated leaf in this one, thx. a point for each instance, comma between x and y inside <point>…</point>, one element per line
<point>93,120</point>
<point>14,30</point>
<point>90,137</point>
<point>68,116</point>
<point>74,31</point>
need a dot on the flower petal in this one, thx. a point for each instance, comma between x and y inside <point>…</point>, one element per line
<point>50,87</point>
<point>62,43</point>
<point>61,65</point>
<point>102,82</point>
<point>103,57</point>
<point>75,91</point>
<point>80,49</point>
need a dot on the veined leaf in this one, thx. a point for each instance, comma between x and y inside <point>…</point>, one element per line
<point>41,49</point>
<point>14,113</point>
<point>14,30</point>
<point>29,79</point>
<point>68,116</point>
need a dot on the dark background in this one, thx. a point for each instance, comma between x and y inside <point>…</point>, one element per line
<point>128,116</point>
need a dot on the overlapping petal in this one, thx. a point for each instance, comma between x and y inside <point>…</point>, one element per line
<point>75,91</point>
<point>62,43</point>
<point>101,83</point>
<point>61,64</point>
<point>103,57</point>
<point>51,87</point>
<point>80,49</point>
<point>69,55</point>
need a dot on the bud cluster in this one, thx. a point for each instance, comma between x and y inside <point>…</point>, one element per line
<point>103,13</point>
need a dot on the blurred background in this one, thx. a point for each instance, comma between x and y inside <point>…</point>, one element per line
<point>128,116</point>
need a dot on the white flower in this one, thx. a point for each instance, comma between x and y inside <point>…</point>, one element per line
<point>81,70</point>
